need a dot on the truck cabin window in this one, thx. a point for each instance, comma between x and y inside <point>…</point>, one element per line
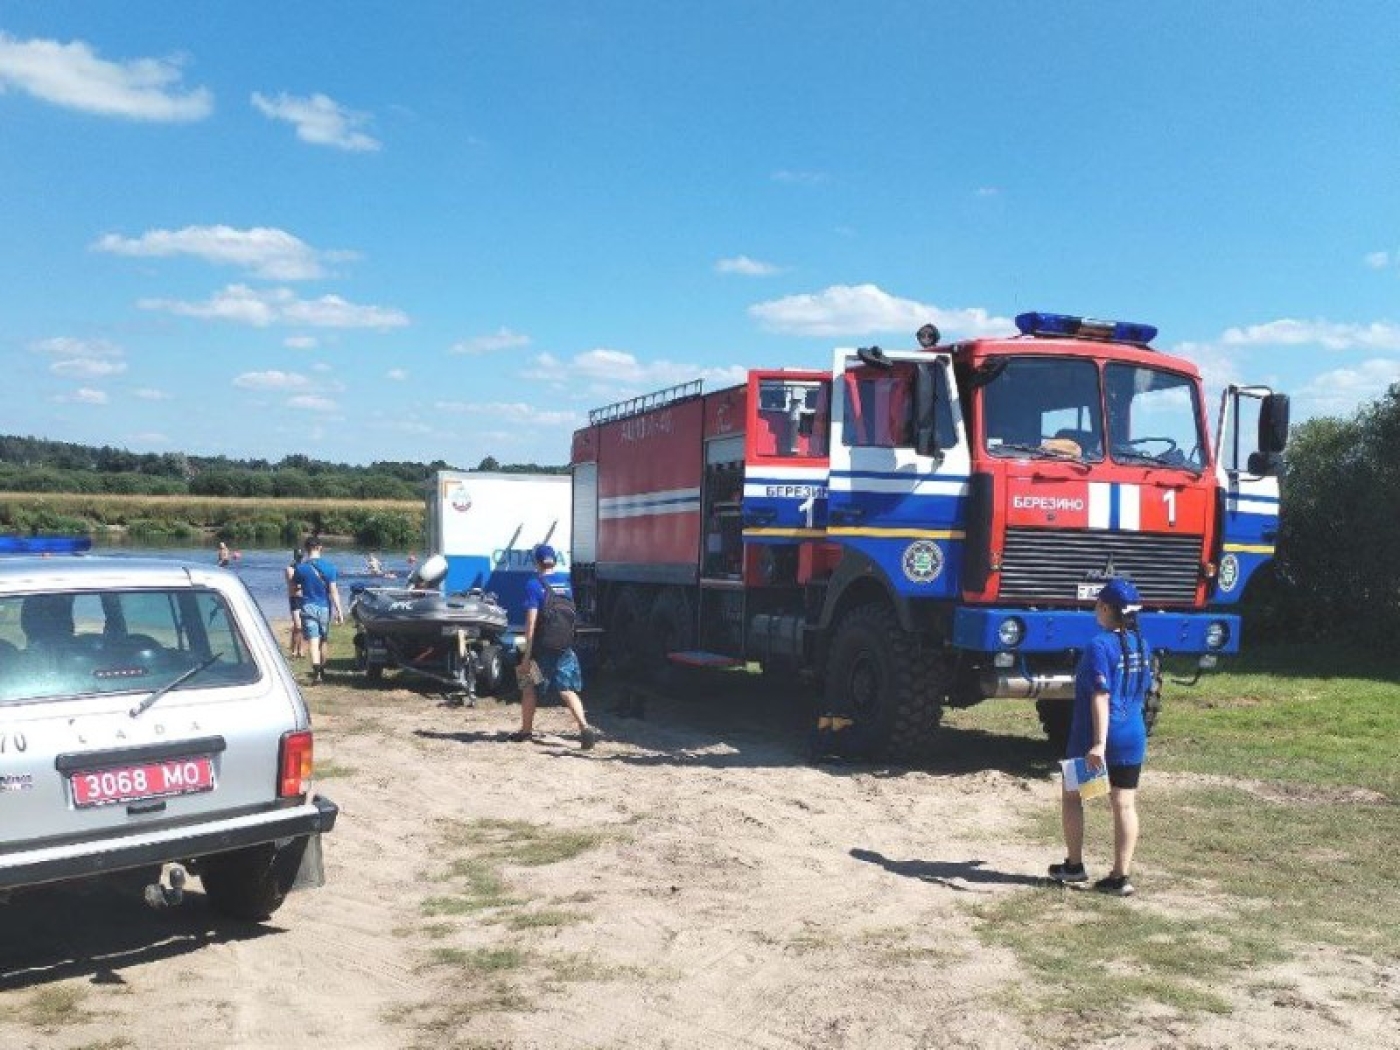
<point>792,418</point>
<point>1046,407</point>
<point>878,408</point>
<point>1153,418</point>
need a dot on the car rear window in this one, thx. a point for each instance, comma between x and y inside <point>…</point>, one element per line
<point>76,643</point>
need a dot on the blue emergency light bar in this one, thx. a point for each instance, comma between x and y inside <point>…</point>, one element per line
<point>1043,324</point>
<point>44,544</point>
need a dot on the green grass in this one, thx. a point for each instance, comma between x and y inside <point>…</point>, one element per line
<point>1232,877</point>
<point>52,1007</point>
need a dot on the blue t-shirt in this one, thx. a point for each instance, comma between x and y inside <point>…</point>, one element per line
<point>313,590</point>
<point>1103,669</point>
<point>535,591</point>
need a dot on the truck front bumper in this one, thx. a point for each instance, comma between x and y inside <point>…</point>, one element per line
<point>1056,630</point>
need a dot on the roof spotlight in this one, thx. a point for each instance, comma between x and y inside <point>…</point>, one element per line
<point>928,336</point>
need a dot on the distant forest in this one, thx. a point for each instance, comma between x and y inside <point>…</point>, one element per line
<point>29,464</point>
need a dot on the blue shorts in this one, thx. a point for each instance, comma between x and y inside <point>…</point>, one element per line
<point>561,671</point>
<point>315,621</point>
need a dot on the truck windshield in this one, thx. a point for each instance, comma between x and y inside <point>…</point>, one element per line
<point>1153,418</point>
<point>69,644</point>
<point>1043,406</point>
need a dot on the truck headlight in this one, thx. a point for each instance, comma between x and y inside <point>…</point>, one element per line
<point>1010,632</point>
<point>1217,634</point>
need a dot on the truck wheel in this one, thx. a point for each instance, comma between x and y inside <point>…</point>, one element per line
<point>1055,716</point>
<point>243,884</point>
<point>1152,702</point>
<point>624,636</point>
<point>891,681</point>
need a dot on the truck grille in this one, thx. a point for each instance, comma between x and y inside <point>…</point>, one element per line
<point>1047,566</point>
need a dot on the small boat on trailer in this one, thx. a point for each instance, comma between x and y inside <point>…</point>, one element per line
<point>454,640</point>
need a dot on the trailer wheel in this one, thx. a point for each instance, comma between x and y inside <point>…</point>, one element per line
<point>374,672</point>
<point>490,670</point>
<point>890,680</point>
<point>1055,716</point>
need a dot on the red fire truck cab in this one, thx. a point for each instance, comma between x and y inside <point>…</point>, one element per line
<point>927,527</point>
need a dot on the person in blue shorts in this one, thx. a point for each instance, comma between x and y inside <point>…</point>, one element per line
<point>320,602</point>
<point>545,664</point>
<point>1108,729</point>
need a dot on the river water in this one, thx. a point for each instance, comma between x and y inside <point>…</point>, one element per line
<point>262,570</point>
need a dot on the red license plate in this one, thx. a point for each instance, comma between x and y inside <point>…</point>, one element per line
<point>177,776</point>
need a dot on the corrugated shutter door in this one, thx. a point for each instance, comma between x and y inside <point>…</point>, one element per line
<point>585,538</point>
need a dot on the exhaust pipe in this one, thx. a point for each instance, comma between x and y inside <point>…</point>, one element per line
<point>995,686</point>
<point>158,895</point>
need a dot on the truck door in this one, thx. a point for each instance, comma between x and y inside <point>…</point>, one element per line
<point>1249,486</point>
<point>786,456</point>
<point>899,466</point>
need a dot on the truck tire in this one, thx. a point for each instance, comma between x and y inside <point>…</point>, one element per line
<point>243,884</point>
<point>1055,715</point>
<point>890,680</point>
<point>624,632</point>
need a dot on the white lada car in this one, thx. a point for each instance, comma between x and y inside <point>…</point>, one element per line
<point>149,724</point>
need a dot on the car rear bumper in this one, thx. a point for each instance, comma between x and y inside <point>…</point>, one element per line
<point>87,859</point>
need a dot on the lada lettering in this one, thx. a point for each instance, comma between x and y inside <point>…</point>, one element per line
<point>1047,503</point>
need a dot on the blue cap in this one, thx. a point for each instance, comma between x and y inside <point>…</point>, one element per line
<point>545,553</point>
<point>1120,594</point>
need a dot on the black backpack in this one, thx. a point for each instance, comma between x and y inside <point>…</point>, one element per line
<point>554,630</point>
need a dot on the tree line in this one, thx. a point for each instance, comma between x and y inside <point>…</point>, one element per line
<point>30,464</point>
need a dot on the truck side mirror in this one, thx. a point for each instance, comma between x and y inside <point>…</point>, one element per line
<point>1273,424</point>
<point>926,411</point>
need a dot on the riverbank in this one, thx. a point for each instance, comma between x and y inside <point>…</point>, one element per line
<point>233,519</point>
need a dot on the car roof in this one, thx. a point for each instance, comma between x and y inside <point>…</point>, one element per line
<point>82,572</point>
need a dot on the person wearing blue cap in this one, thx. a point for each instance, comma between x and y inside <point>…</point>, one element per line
<point>549,660</point>
<point>1108,729</point>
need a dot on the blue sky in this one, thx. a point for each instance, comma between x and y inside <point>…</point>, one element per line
<point>446,230</point>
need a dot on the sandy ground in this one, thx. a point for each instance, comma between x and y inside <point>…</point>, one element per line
<point>731,895</point>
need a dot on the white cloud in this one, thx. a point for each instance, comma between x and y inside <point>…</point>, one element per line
<point>619,372</point>
<point>501,339</point>
<point>319,120</point>
<point>1378,335</point>
<point>866,309</point>
<point>71,75</point>
<point>1378,260</point>
<point>510,412</point>
<point>266,252</point>
<point>301,342</point>
<point>82,358</point>
<point>312,402</point>
<point>988,191</point>
<point>1341,390</point>
<point>272,380</point>
<point>84,396</point>
<point>1219,367</point>
<point>398,375</point>
<point>747,267</point>
<point>262,307</point>
<point>66,346</point>
<point>803,178</point>
<point>151,394</point>
<point>87,368</point>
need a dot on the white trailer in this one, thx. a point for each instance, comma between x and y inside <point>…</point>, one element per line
<point>487,524</point>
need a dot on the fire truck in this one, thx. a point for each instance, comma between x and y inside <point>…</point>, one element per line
<point>927,528</point>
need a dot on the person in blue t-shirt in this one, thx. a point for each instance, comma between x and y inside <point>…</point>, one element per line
<point>1108,728</point>
<point>542,668</point>
<point>320,601</point>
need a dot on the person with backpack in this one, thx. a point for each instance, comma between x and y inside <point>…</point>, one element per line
<point>549,662</point>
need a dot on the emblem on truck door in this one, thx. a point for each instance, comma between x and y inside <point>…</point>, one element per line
<point>922,561</point>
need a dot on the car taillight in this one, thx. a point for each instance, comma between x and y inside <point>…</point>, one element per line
<point>294,764</point>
